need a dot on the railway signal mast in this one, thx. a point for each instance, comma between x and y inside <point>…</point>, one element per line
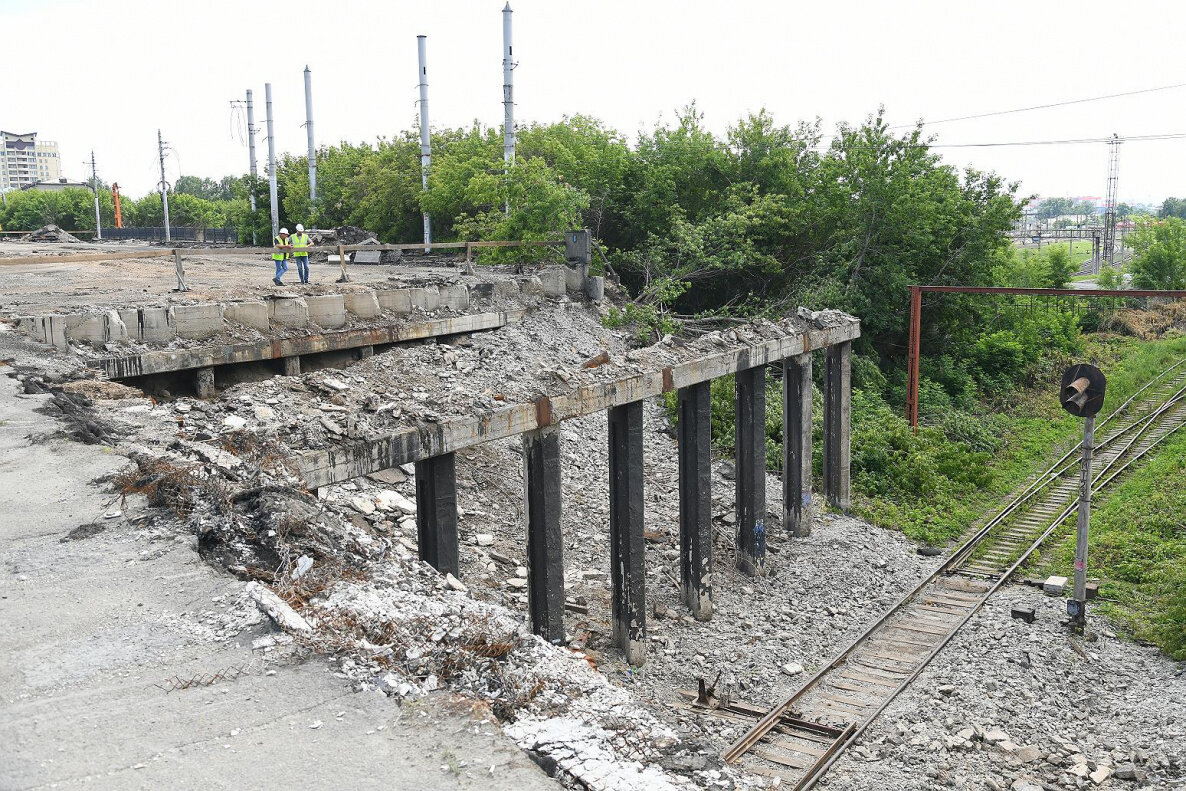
<point>1082,395</point>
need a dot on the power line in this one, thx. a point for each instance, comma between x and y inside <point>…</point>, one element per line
<point>1046,106</point>
<point>1072,141</point>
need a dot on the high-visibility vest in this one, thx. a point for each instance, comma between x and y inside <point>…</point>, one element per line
<point>299,242</point>
<point>279,255</point>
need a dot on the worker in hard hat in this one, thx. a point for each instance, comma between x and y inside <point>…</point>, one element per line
<point>281,250</point>
<point>300,252</point>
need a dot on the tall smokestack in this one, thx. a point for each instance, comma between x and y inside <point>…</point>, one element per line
<point>425,143</point>
<point>312,151</point>
<point>508,91</point>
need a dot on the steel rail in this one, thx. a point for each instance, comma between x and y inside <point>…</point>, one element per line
<point>772,717</point>
<point>815,774</point>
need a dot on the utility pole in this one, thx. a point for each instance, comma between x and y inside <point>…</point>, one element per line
<point>251,162</point>
<point>425,140</point>
<point>508,100</point>
<point>95,189</point>
<point>271,161</point>
<point>1082,395</point>
<point>312,151</point>
<point>160,145</point>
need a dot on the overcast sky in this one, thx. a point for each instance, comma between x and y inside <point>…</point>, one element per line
<point>105,74</point>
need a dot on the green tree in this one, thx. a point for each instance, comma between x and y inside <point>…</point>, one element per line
<point>1059,267</point>
<point>1050,208</point>
<point>1159,254</point>
<point>1173,207</point>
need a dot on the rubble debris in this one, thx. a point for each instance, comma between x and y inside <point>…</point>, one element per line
<point>276,609</point>
<point>50,233</point>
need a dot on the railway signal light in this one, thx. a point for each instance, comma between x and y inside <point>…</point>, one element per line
<point>1082,394</point>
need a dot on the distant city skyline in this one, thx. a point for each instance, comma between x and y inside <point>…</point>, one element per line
<point>629,64</point>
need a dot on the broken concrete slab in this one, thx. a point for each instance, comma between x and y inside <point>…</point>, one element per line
<point>328,310</point>
<point>249,314</point>
<point>363,304</point>
<point>196,321</point>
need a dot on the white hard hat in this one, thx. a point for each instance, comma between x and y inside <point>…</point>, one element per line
<point>300,227</point>
<point>283,230</point>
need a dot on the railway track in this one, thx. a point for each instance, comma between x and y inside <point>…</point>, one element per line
<point>798,740</point>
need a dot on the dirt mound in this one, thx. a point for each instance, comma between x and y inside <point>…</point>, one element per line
<point>49,233</point>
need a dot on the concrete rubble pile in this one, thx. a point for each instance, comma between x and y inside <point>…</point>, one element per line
<point>49,233</point>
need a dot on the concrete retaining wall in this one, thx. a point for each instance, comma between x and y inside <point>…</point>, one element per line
<point>328,310</point>
<point>249,314</point>
<point>363,304</point>
<point>161,325</point>
<point>196,321</point>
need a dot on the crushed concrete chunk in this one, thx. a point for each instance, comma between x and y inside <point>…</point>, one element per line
<point>276,608</point>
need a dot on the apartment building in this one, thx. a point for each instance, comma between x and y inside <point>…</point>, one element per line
<point>25,160</point>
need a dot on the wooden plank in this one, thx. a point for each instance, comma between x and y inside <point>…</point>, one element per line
<point>851,686</point>
<point>917,626</point>
<point>360,457</point>
<point>806,749</point>
<point>84,257</point>
<point>782,759</point>
<point>857,675</point>
<point>844,700</point>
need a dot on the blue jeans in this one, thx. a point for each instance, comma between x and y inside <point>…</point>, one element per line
<point>281,267</point>
<point>302,262</point>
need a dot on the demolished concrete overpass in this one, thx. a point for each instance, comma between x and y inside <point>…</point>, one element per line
<point>431,447</point>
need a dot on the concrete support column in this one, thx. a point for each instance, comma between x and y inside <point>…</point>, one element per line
<point>204,383</point>
<point>292,365</point>
<point>837,424</point>
<point>695,499</point>
<point>750,442</point>
<point>627,551</point>
<point>366,351</point>
<point>436,512</point>
<point>796,445</point>
<point>545,542</point>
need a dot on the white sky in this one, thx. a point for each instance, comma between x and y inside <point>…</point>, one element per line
<point>104,74</point>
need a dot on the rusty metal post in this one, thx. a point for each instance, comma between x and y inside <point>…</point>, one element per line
<point>627,548</point>
<point>912,361</point>
<point>750,488</point>
<point>545,541</point>
<point>838,425</point>
<point>436,512</point>
<point>796,445</point>
<point>695,498</point>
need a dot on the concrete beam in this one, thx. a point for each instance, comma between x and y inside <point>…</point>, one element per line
<point>436,513</point>
<point>627,548</point>
<point>695,499</point>
<point>545,542</point>
<point>838,425</point>
<point>796,445</point>
<point>205,356</point>
<point>750,483</point>
<point>360,457</point>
